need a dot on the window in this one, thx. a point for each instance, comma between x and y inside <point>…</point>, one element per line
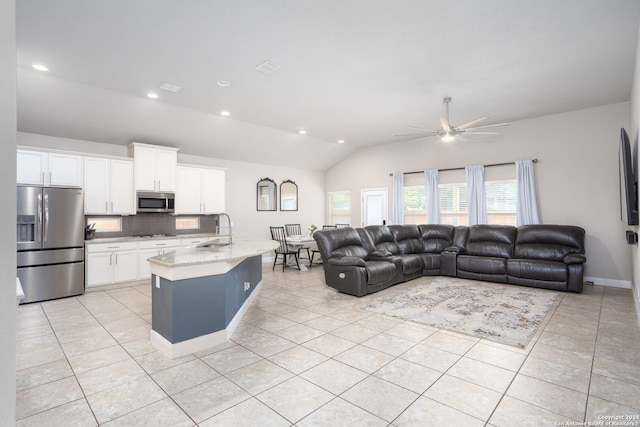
<point>106,225</point>
<point>187,223</point>
<point>415,205</point>
<point>340,207</point>
<point>453,204</point>
<point>501,201</point>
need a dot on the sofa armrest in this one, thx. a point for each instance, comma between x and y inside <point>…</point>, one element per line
<point>575,259</point>
<point>347,261</point>
<point>379,254</point>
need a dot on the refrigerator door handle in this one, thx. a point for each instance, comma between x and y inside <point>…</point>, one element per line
<point>46,218</point>
<point>38,233</point>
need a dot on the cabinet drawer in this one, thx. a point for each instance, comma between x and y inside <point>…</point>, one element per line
<point>194,241</point>
<point>159,244</point>
<point>111,247</point>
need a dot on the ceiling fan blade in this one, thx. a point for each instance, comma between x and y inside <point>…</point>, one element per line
<point>472,132</point>
<point>472,122</point>
<point>445,124</point>
<point>488,126</point>
<point>421,128</point>
<point>418,134</point>
<point>423,137</point>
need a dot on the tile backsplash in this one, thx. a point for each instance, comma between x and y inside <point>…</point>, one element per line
<point>158,223</point>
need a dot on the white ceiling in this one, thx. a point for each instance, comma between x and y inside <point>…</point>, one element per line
<point>358,70</point>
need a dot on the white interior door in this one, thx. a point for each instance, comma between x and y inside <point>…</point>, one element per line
<point>374,206</point>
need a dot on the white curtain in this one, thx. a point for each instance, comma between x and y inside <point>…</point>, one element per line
<point>476,203</point>
<point>397,213</point>
<point>526,205</point>
<point>431,194</point>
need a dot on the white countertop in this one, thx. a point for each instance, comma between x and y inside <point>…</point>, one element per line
<point>239,249</point>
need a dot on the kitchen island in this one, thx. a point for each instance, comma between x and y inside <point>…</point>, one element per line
<point>200,294</point>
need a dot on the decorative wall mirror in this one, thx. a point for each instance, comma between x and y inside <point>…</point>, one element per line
<point>267,199</point>
<point>288,196</point>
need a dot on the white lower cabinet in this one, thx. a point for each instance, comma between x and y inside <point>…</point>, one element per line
<point>150,249</point>
<point>109,263</point>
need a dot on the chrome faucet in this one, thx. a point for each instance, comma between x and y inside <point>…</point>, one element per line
<point>218,227</point>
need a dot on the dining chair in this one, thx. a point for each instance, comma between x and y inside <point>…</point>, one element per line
<point>314,248</point>
<point>296,230</point>
<point>284,250</point>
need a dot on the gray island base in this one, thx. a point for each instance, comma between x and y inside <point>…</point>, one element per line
<point>200,294</point>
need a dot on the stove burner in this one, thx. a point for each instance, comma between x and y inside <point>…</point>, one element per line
<point>155,235</point>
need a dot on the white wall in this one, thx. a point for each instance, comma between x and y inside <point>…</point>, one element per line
<point>576,177</point>
<point>240,186</point>
<point>634,135</point>
<point>7,213</point>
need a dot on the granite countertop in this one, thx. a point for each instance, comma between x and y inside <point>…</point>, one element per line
<point>239,249</point>
<point>143,239</point>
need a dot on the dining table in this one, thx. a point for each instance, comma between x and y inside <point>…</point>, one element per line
<point>299,240</point>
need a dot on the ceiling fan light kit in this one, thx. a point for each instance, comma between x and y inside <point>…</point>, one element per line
<point>448,132</point>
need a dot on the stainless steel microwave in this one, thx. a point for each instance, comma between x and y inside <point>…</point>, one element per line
<point>155,202</point>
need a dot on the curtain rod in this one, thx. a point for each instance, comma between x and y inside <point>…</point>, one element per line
<point>455,169</point>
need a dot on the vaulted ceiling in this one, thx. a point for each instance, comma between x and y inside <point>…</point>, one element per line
<point>352,70</point>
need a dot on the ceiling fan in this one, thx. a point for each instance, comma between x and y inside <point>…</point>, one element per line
<point>448,132</point>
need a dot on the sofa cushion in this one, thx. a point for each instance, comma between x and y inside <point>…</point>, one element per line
<point>436,237</point>
<point>491,240</point>
<point>411,263</point>
<point>407,238</point>
<point>382,238</point>
<point>537,269</point>
<point>379,272</point>
<point>431,261</point>
<point>482,265</point>
<point>340,243</point>
<point>548,241</point>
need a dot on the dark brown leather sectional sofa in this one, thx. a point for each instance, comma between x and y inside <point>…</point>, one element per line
<point>360,261</point>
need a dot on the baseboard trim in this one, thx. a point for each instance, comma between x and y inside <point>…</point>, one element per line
<point>625,284</point>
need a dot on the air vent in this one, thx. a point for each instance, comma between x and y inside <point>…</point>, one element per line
<point>169,87</point>
<point>267,67</point>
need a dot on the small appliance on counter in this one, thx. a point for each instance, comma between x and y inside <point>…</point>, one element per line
<point>50,242</point>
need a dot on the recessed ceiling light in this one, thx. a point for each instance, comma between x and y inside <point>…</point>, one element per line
<point>40,67</point>
<point>225,113</point>
<point>223,83</point>
<point>152,95</point>
<point>341,141</point>
<point>170,87</point>
<point>302,131</point>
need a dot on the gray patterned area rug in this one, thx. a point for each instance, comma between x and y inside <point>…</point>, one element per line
<point>502,313</point>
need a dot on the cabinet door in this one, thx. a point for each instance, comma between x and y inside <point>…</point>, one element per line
<point>99,269</point>
<point>30,167</point>
<point>125,266</point>
<point>122,200</point>
<point>188,200</point>
<point>165,170</point>
<point>144,271</point>
<point>96,186</point>
<point>64,170</point>
<point>144,161</point>
<point>213,193</point>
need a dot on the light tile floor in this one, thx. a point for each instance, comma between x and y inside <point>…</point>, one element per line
<point>306,355</point>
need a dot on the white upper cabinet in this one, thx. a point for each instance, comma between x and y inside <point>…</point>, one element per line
<point>199,190</point>
<point>154,167</point>
<point>49,169</point>
<point>108,185</point>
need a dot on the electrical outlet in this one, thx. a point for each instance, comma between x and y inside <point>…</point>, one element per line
<point>247,286</point>
<point>158,282</point>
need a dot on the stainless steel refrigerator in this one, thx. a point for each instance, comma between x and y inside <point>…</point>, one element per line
<point>50,242</point>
